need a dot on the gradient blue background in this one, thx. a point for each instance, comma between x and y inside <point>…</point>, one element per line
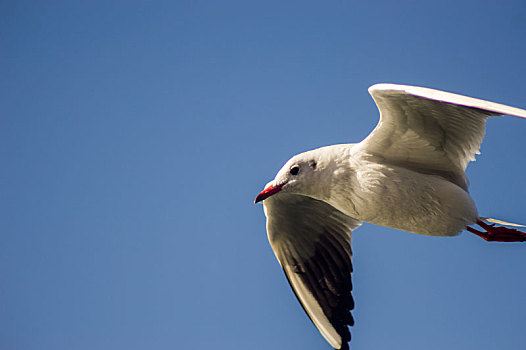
<point>134,137</point>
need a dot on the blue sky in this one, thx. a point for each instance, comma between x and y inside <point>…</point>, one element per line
<point>134,137</point>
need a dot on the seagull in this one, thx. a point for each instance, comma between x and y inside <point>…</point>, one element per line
<point>408,174</point>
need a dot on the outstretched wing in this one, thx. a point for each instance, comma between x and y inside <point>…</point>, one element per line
<point>430,131</point>
<point>312,242</point>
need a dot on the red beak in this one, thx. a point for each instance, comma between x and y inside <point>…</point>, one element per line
<point>267,192</point>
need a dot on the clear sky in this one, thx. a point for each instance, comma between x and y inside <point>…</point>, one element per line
<point>134,136</point>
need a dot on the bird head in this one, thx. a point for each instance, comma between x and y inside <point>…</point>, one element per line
<point>307,173</point>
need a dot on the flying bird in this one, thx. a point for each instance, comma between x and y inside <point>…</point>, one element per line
<point>408,174</point>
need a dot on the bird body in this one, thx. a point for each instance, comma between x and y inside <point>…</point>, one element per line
<point>363,187</point>
<point>401,198</point>
<point>408,174</point>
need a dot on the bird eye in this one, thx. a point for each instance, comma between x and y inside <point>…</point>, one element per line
<point>295,170</point>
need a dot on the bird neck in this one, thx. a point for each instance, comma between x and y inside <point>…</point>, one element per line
<point>340,181</point>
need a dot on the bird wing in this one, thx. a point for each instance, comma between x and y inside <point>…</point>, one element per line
<point>430,131</point>
<point>312,242</point>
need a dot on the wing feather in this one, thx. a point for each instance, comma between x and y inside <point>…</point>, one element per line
<point>430,131</point>
<point>312,242</point>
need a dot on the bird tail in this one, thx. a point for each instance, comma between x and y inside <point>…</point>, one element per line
<point>500,222</point>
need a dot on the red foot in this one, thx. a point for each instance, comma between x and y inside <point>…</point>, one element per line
<point>499,233</point>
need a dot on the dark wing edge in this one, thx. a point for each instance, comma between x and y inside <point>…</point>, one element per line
<point>312,242</point>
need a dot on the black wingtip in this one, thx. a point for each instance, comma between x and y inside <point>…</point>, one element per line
<point>345,346</point>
